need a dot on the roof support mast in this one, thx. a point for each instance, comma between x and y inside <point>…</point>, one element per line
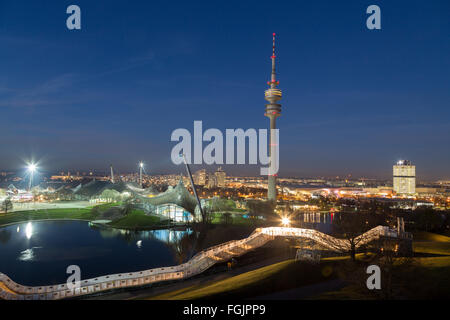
<point>193,186</point>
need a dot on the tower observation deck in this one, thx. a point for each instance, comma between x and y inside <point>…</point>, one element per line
<point>273,111</point>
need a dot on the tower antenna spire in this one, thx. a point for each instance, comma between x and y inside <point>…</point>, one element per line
<point>273,52</point>
<point>273,80</point>
<point>273,60</point>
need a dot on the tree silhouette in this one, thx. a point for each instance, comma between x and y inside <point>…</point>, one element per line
<point>351,225</point>
<point>7,205</point>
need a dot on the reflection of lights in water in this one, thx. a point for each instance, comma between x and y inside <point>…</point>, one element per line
<point>28,255</point>
<point>29,230</point>
<point>164,235</point>
<point>168,235</point>
<point>18,229</point>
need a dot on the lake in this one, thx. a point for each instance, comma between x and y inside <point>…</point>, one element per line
<point>38,253</point>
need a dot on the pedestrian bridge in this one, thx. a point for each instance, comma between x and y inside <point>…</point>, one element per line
<point>10,290</point>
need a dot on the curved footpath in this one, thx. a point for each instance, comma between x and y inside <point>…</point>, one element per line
<point>10,290</point>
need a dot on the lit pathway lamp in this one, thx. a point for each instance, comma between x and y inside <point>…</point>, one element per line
<point>285,221</point>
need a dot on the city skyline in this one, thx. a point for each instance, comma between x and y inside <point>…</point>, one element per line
<point>43,174</point>
<point>356,100</point>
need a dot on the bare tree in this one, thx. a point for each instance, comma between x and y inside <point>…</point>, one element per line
<point>208,213</point>
<point>128,208</point>
<point>227,218</point>
<point>394,266</point>
<point>7,205</point>
<point>392,262</point>
<point>351,226</point>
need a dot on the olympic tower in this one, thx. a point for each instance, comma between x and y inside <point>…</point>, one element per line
<point>273,111</point>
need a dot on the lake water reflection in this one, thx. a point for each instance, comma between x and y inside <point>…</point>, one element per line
<point>321,221</point>
<point>38,253</point>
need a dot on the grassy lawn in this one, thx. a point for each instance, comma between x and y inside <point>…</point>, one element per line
<point>105,206</point>
<point>431,243</point>
<point>439,248</point>
<point>428,236</point>
<point>359,256</point>
<point>136,219</point>
<point>57,213</point>
<point>238,219</point>
<point>43,214</point>
<point>277,277</point>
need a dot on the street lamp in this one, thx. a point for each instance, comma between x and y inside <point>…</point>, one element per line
<point>285,221</point>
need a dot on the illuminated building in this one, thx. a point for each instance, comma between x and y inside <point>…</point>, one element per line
<point>179,196</point>
<point>174,212</point>
<point>141,167</point>
<point>273,111</point>
<point>220,177</point>
<point>200,177</point>
<point>212,181</point>
<point>404,177</point>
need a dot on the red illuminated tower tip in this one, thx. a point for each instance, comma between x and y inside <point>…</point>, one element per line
<point>273,49</point>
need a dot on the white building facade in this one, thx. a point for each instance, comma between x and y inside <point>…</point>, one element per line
<point>404,178</point>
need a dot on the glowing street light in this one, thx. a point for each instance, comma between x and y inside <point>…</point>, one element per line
<point>285,221</point>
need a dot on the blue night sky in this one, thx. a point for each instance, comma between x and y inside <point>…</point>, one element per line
<point>355,100</point>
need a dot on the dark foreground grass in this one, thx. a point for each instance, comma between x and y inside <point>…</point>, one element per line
<point>274,278</point>
<point>423,277</point>
<point>426,278</point>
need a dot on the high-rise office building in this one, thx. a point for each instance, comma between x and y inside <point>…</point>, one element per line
<point>220,177</point>
<point>200,177</point>
<point>211,181</point>
<point>404,177</point>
